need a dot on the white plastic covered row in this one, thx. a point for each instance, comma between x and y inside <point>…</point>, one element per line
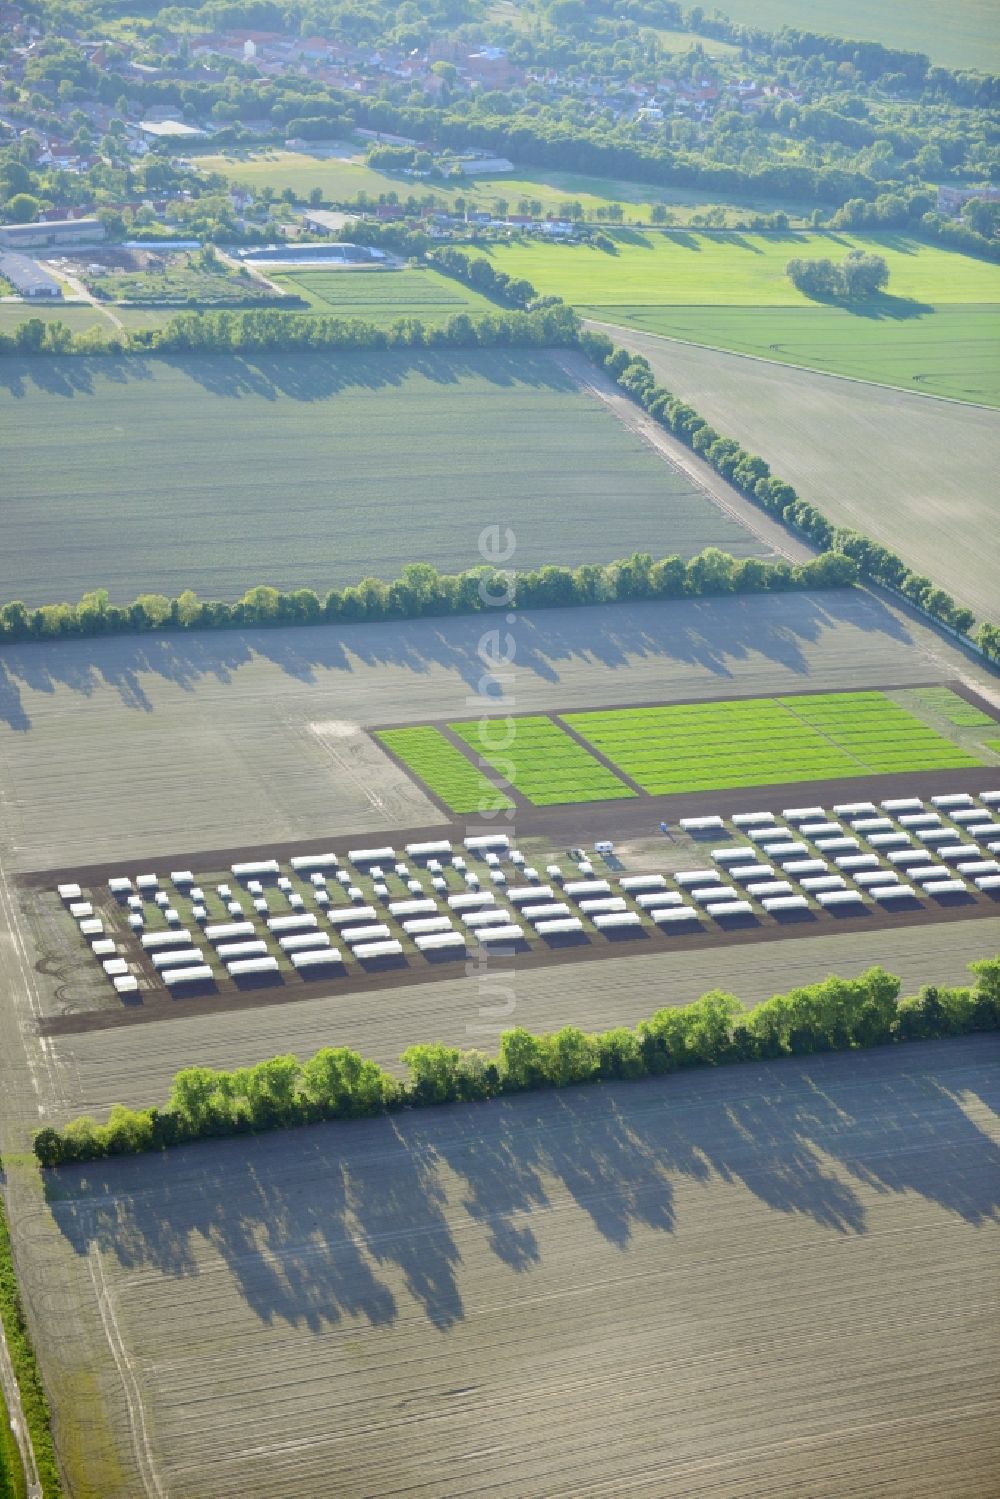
<point>372,932</point>
<point>255,870</point>
<point>493,917</point>
<point>702,824</point>
<point>483,841</point>
<point>803,814</point>
<point>425,907</point>
<point>714,894</point>
<point>637,882</point>
<point>300,941</point>
<point>226,950</point>
<point>814,883</point>
<point>946,887</point>
<point>552,910</point>
<point>893,892</point>
<point>440,849</point>
<point>306,863</point>
<point>244,966</point>
<point>174,958</point>
<point>302,923</point>
<point>751,819</point>
<point>840,898</point>
<point>774,903</point>
<point>730,908</point>
<point>471,900</point>
<point>195,975</point>
<point>687,877</point>
<point>659,900</point>
<point>613,921</point>
<point>953,799</point>
<point>227,931</point>
<point>675,916</point>
<point>602,905</point>
<point>351,913</point>
<point>518,894</point>
<point>578,888</point>
<point>317,957</point>
<point>855,809</point>
<point>358,856</point>
<point>151,940</point>
<point>425,926</point>
<point>438,941</point>
<point>509,933</point>
<point>561,927</point>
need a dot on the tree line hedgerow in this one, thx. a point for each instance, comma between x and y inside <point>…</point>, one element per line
<point>423,592</point>
<point>752,476</point>
<point>337,1083</point>
<point>29,1379</point>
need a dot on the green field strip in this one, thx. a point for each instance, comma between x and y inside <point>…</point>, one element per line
<point>382,296</point>
<point>443,769</point>
<point>948,705</point>
<point>705,746</point>
<point>545,764</point>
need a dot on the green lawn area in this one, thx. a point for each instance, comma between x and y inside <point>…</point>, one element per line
<point>342,178</point>
<point>949,350</point>
<point>446,772</point>
<point>965,35</point>
<point>12,1481</point>
<point>382,297</point>
<point>219,472</point>
<point>681,268</point>
<point>765,741</point>
<point>543,762</point>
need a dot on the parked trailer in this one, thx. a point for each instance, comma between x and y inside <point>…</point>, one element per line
<point>260,869</point>
<point>774,903</point>
<point>427,925</point>
<point>172,958</point>
<point>152,940</point>
<point>351,913</point>
<point>579,888</point>
<point>440,941</point>
<point>518,894</point>
<point>509,933</point>
<point>471,900</point>
<point>374,931</point>
<point>483,841</point>
<point>359,856</point>
<point>308,863</point>
<point>637,882</point>
<point>494,916</point>
<point>227,950</point>
<point>551,911</point>
<point>388,949</point>
<point>617,921</point>
<point>318,957</point>
<point>425,907</point>
<point>675,917</point>
<point>244,966</point>
<point>200,974</point>
<point>299,923</point>
<point>840,898</point>
<point>562,927</point>
<point>300,941</point>
<point>228,931</point>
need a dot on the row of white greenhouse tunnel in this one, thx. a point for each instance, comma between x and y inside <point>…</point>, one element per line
<point>857,857</point>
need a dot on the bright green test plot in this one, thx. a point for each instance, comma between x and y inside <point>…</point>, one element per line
<point>383,297</point>
<point>766,741</point>
<point>443,769</point>
<point>543,762</point>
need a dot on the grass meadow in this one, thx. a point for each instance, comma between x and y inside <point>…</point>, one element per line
<point>936,329</point>
<point>543,763</point>
<point>766,741</point>
<point>220,472</point>
<point>966,36</point>
<point>382,297</point>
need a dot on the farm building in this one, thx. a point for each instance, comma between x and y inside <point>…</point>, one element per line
<point>37,236</point>
<point>27,277</point>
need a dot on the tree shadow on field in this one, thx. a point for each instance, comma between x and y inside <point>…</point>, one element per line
<point>878,307</point>
<point>367,1221</point>
<point>708,641</point>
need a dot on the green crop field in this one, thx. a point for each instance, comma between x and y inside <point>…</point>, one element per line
<point>765,741</point>
<point>303,470</point>
<point>954,709</point>
<point>951,351</point>
<point>963,36</point>
<point>543,763</point>
<point>382,297</point>
<point>444,769</point>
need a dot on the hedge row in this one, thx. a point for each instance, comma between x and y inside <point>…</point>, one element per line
<point>22,1356</point>
<point>752,476</point>
<point>422,592</point>
<point>336,1083</point>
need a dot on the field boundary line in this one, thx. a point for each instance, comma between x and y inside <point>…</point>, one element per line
<point>130,1384</point>
<point>806,369</point>
<point>598,754</point>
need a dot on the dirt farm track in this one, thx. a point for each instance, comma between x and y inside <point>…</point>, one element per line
<point>767,1281</point>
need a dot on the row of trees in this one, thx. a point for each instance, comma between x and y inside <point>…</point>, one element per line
<point>858,276</point>
<point>477,272</point>
<point>422,592</point>
<point>257,329</point>
<point>752,476</point>
<point>337,1083</point>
